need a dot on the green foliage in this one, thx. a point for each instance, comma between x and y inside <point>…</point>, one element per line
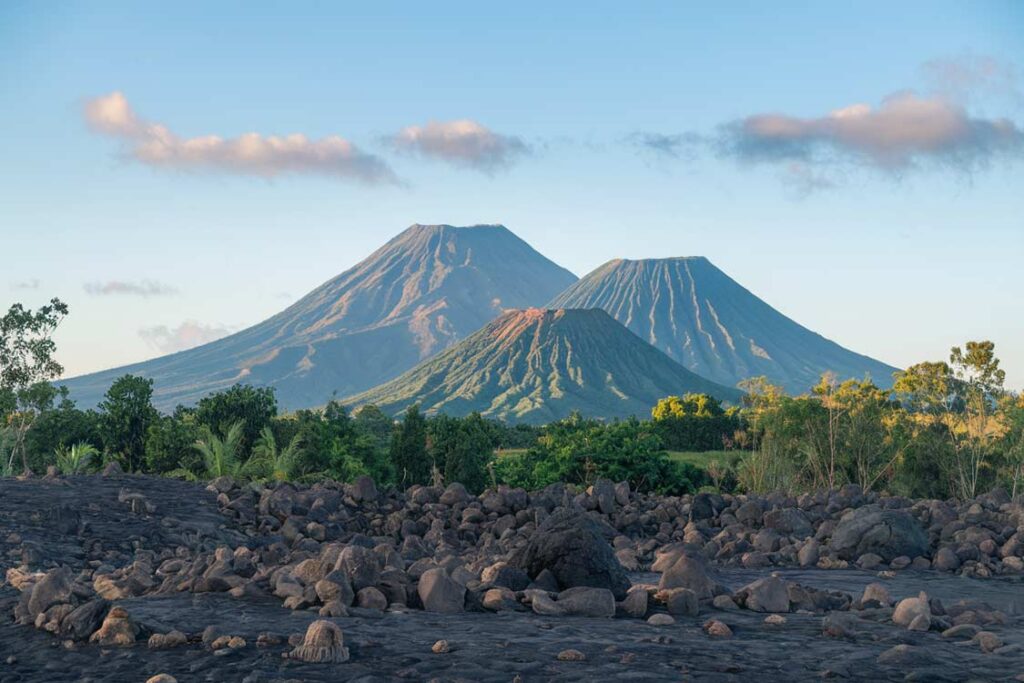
<point>1012,423</point>
<point>268,462</point>
<point>840,433</point>
<point>221,452</point>
<point>76,459</point>
<point>59,427</point>
<point>695,422</point>
<point>335,445</point>
<point>946,429</point>
<point>170,444</point>
<point>408,452</point>
<point>371,421</point>
<point>26,368</point>
<point>461,449</point>
<point>578,451</point>
<point>253,406</point>
<point>126,414</point>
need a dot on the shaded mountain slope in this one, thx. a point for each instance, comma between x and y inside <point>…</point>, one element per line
<point>540,365</point>
<point>427,288</point>
<point>707,321</point>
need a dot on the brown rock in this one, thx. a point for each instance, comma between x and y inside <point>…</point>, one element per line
<point>117,630</point>
<point>717,629</point>
<point>323,642</point>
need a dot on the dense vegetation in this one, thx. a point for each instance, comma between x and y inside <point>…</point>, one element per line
<point>946,429</point>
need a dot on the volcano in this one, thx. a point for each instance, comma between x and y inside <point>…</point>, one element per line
<point>539,365</point>
<point>708,322</point>
<point>427,288</point>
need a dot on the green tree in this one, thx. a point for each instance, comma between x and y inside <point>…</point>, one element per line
<point>126,414</point>
<point>461,448</point>
<point>59,427</point>
<point>269,462</point>
<point>408,453</point>
<point>961,396</point>
<point>255,407</point>
<point>1011,414</point>
<point>867,445</point>
<point>578,451</point>
<point>26,368</point>
<point>695,422</point>
<point>221,452</point>
<point>980,382</point>
<point>170,444</point>
<point>334,445</point>
<point>371,421</point>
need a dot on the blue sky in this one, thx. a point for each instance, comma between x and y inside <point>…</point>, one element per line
<point>599,130</point>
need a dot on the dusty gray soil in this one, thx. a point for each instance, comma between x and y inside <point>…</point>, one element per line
<point>396,645</point>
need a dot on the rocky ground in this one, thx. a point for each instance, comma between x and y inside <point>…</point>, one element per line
<point>126,578</point>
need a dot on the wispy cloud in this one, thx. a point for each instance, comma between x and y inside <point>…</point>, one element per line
<point>463,143</point>
<point>969,76</point>
<point>905,130</point>
<point>672,146</point>
<point>267,156</point>
<point>804,180</point>
<point>142,288</point>
<point>26,285</point>
<point>187,335</point>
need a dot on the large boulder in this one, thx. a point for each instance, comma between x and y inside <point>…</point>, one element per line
<point>886,533</point>
<point>53,589</point>
<point>789,521</point>
<point>689,572</point>
<point>572,547</point>
<point>769,594</point>
<point>83,621</point>
<point>360,565</point>
<point>913,613</point>
<point>440,593</point>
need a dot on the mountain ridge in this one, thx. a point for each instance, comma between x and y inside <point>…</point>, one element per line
<point>420,292</point>
<point>538,365</point>
<point>699,316</point>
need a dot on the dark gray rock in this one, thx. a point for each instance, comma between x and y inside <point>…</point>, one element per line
<point>573,548</point>
<point>584,601</point>
<point>886,533</point>
<point>83,621</point>
<point>440,593</point>
<point>789,521</point>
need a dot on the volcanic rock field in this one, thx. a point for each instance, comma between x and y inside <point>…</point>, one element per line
<point>130,578</point>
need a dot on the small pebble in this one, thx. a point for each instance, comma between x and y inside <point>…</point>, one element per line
<point>571,655</point>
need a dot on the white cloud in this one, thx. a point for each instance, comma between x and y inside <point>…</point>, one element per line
<point>143,288</point>
<point>904,130</point>
<point>187,335</point>
<point>463,143</point>
<point>249,154</point>
<point>26,285</point>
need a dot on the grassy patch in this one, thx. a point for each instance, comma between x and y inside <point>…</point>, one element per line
<point>510,451</point>
<point>702,459</point>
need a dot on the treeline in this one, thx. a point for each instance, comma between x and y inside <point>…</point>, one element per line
<point>945,429</point>
<point>240,432</point>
